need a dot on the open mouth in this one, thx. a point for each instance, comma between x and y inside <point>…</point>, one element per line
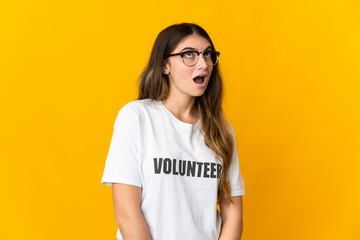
<point>199,79</point>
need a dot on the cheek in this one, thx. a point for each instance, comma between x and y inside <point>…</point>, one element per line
<point>182,74</point>
<point>211,72</point>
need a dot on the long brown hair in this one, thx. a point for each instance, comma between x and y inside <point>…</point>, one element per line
<point>153,84</point>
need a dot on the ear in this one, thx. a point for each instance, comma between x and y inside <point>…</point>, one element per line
<point>166,68</point>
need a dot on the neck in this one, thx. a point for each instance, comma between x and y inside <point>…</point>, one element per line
<point>182,108</point>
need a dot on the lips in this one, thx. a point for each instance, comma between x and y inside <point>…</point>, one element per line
<point>199,79</point>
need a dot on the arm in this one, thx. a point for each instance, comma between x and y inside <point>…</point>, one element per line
<point>232,220</point>
<point>128,214</point>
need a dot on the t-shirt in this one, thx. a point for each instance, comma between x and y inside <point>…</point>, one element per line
<point>179,175</point>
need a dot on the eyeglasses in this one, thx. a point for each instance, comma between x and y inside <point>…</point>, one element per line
<point>191,57</point>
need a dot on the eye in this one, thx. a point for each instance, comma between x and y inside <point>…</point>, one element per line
<point>188,54</point>
<point>207,54</point>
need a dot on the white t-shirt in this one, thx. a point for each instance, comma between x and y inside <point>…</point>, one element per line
<point>179,175</point>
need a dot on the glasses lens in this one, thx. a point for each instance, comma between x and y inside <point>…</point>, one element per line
<point>211,57</point>
<point>190,58</point>
<point>214,57</point>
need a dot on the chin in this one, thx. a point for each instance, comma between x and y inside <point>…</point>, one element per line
<point>199,94</point>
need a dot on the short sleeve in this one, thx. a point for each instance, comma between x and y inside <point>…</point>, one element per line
<point>122,163</point>
<point>236,180</point>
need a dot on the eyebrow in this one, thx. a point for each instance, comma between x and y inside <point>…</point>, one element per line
<point>191,48</point>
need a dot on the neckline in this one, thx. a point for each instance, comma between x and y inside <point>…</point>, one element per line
<point>175,118</point>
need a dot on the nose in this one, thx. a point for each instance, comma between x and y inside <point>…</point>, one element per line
<point>202,62</point>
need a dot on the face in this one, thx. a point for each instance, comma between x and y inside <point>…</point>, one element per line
<point>181,76</point>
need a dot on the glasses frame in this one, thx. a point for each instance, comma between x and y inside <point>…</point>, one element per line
<point>198,56</point>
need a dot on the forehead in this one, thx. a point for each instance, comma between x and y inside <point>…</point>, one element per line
<point>194,41</point>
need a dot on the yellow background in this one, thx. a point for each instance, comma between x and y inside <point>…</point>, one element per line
<point>291,74</point>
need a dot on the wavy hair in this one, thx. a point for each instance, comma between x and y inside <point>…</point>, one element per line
<point>153,84</point>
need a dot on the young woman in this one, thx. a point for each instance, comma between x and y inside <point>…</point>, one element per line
<point>173,155</point>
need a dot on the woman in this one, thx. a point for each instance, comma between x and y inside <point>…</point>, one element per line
<point>173,156</point>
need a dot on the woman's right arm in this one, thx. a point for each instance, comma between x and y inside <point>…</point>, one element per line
<point>128,215</point>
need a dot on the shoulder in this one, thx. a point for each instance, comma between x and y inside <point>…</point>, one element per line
<point>139,106</point>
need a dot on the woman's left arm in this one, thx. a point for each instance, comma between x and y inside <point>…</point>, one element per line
<point>232,219</point>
